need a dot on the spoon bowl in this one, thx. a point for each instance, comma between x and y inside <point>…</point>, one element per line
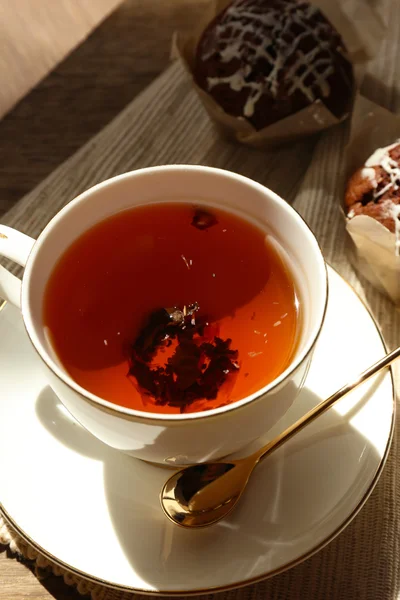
<point>180,509</point>
<point>188,496</point>
<point>203,494</point>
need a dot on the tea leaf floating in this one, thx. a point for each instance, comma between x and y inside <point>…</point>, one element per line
<point>200,364</point>
<point>202,219</point>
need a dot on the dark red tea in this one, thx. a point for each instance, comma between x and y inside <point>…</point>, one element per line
<point>172,308</point>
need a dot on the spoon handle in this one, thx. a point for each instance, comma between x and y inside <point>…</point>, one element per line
<point>323,406</point>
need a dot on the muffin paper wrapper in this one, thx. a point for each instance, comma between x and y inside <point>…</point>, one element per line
<point>373,247</point>
<point>362,32</point>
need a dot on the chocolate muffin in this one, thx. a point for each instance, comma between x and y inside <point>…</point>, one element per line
<point>267,59</point>
<point>374,190</point>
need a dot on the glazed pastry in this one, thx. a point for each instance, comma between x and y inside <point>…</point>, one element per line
<point>264,60</point>
<point>374,190</point>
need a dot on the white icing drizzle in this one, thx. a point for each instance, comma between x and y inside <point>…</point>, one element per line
<point>274,29</point>
<point>392,169</point>
<point>376,158</point>
<point>381,158</point>
<point>369,173</point>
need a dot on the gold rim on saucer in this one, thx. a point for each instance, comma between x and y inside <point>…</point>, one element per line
<point>249,581</point>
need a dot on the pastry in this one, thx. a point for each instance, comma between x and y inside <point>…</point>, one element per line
<point>374,189</point>
<point>264,60</point>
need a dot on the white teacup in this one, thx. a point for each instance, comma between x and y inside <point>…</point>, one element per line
<point>182,438</point>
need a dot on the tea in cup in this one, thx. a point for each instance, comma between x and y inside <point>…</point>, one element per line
<point>175,309</point>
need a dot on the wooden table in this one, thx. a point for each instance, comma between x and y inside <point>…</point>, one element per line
<point>70,106</point>
<point>87,90</point>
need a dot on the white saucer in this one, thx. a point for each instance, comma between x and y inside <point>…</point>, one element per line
<point>96,511</point>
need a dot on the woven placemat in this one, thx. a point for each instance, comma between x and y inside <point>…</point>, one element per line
<point>167,124</point>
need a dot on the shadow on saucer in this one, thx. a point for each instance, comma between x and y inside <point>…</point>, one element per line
<point>58,421</point>
<point>266,522</point>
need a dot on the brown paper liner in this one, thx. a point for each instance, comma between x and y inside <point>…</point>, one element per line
<point>362,42</point>
<point>373,246</point>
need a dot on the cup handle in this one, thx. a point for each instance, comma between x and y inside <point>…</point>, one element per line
<point>16,246</point>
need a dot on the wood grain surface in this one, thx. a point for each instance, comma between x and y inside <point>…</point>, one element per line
<point>36,35</point>
<point>87,90</point>
<point>72,104</point>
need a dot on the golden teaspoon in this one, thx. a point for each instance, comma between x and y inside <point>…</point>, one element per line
<point>200,495</point>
